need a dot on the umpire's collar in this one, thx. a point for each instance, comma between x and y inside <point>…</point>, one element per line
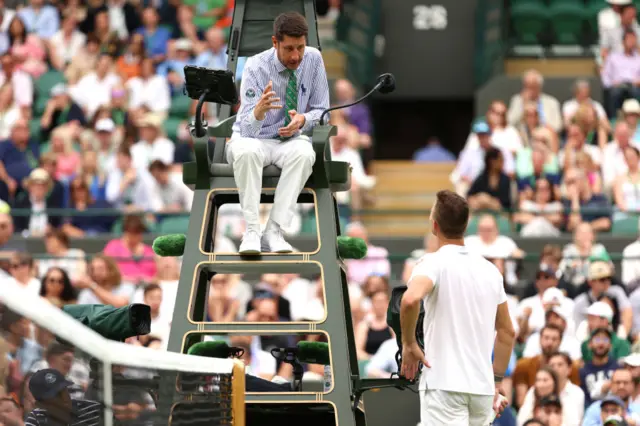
<point>279,65</point>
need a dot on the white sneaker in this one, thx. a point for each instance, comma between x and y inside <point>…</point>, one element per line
<point>274,242</point>
<point>250,243</point>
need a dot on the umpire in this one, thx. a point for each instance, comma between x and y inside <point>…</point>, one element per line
<point>54,406</point>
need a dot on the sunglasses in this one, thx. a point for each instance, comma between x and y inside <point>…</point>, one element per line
<point>54,280</point>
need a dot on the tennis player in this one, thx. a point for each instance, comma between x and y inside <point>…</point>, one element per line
<point>466,319</point>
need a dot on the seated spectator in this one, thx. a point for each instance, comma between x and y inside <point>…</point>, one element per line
<point>58,194</point>
<point>433,152</point>
<point>530,126</point>
<point>533,312</point>
<point>185,28</point>
<point>107,147</point>
<point>126,185</point>
<point>93,177</point>
<point>373,331</point>
<point>207,13</point>
<point>129,64</point>
<point>60,110</point>
<point>613,161</point>
<point>600,284</point>
<point>149,90</point>
<point>546,384</point>
<point>621,73</point>
<point>168,272</point>
<point>67,158</point>
<point>22,272</point>
<point>20,81</point>
<point>61,358</point>
<point>596,374</point>
<point>490,244</point>
<point>543,215</point>
<point>503,135</point>
<point>40,18</point>
<point>56,286</point>
<point>535,163</point>
<point>532,82</point>
<point>524,376</point>
<point>94,89</point>
<point>612,39</point>
<point>492,189</point>
<point>134,258</point>
<point>632,362</point>
<point>626,186</point>
<point>214,54</point>
<point>153,145</point>
<point>66,43</point>
<point>84,61</point>
<point>160,322</point>
<point>585,163</point>
<point>630,114</point>
<point>9,111</point>
<point>609,17</point>
<point>222,305</point>
<point>8,246</point>
<point>109,40</point>
<point>575,256</point>
<point>471,162</point>
<point>155,37</point>
<point>631,269</point>
<point>576,143</point>
<point>600,315</point>
<point>547,411</point>
<point>38,223</point>
<point>582,96</point>
<point>571,396</point>
<point>375,262</point>
<point>78,226</point>
<point>17,332</point>
<point>173,69</point>
<point>596,129</point>
<point>61,255</point>
<point>583,205</point>
<point>27,49</point>
<point>103,285</point>
<point>558,313</point>
<point>617,403</point>
<point>358,116</point>
<point>167,191</point>
<point>259,363</point>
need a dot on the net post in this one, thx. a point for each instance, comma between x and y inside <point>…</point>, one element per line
<point>237,393</point>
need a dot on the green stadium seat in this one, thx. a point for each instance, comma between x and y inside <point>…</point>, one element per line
<point>47,81</point>
<point>34,127</point>
<point>591,13</point>
<point>529,18</point>
<point>567,20</point>
<point>40,105</point>
<point>627,227</point>
<point>504,226</point>
<point>174,225</point>
<point>171,125</point>
<point>180,107</point>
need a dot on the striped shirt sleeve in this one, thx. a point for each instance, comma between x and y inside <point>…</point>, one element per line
<point>319,98</point>
<point>250,126</point>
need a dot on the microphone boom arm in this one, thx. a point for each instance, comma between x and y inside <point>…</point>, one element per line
<point>328,110</point>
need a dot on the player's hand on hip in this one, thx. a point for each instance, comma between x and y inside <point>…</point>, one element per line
<point>500,402</point>
<point>297,121</point>
<point>412,356</point>
<point>267,102</point>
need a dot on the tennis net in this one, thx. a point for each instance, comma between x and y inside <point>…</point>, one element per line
<point>115,383</point>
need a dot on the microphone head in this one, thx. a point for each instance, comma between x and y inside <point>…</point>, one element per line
<point>388,83</point>
<point>170,245</point>
<point>215,349</point>
<point>313,353</point>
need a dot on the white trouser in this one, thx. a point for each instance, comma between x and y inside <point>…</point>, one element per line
<point>440,408</point>
<point>248,156</point>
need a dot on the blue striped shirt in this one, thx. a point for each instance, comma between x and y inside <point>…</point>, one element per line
<point>313,92</point>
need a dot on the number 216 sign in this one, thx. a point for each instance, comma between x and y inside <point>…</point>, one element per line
<point>432,17</point>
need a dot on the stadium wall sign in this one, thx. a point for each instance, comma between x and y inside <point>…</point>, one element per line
<point>429,47</point>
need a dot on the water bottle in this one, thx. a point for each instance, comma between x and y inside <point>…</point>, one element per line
<point>327,378</point>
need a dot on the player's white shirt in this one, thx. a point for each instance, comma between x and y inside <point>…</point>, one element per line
<point>460,318</point>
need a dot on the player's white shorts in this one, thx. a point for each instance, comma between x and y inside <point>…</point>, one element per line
<point>440,408</point>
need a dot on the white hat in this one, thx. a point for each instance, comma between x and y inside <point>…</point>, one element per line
<point>183,44</point>
<point>562,313</point>
<point>58,89</point>
<point>552,295</point>
<point>600,309</point>
<point>619,2</point>
<point>631,106</point>
<point>105,125</point>
<point>632,360</point>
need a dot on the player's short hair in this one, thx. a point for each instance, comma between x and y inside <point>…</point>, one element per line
<point>451,213</point>
<point>551,327</point>
<point>290,24</point>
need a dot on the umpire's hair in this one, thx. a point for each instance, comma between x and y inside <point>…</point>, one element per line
<point>290,24</point>
<point>451,214</point>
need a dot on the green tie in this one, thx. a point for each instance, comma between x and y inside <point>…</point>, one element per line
<point>291,99</point>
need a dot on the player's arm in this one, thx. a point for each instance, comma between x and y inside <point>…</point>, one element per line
<point>505,339</point>
<point>419,287</point>
<point>318,96</point>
